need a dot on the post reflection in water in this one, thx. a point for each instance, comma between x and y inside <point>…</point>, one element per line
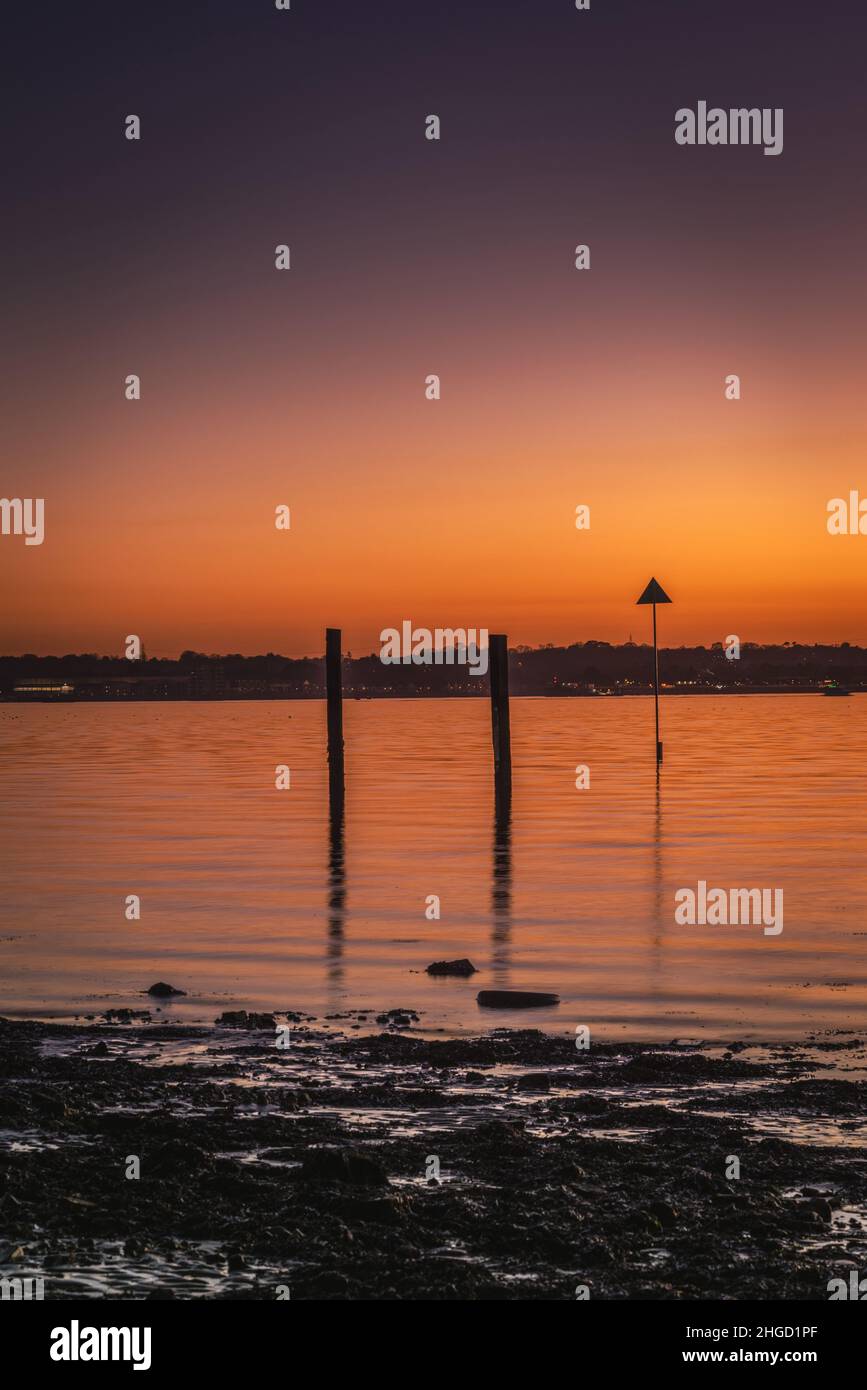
<point>593,879</point>
<point>656,962</point>
<point>501,889</point>
<point>336,890</point>
<point>659,905</point>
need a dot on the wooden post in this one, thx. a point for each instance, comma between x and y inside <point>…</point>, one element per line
<point>334,696</point>
<point>498,656</point>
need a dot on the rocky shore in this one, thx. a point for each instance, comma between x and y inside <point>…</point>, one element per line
<point>280,1156</point>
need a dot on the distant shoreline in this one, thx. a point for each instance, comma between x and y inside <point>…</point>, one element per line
<point>418,695</point>
<point>582,670</point>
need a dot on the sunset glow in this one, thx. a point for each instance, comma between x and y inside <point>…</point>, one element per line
<point>604,387</point>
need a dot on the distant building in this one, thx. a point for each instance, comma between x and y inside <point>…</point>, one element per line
<point>208,681</point>
<point>43,690</point>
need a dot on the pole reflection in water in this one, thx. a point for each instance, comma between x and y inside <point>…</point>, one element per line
<point>336,890</point>
<point>501,889</point>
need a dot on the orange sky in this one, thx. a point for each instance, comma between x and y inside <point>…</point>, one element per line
<point>559,387</point>
<point>159,513</point>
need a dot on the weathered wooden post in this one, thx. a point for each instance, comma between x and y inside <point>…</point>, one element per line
<point>334,697</point>
<point>498,657</point>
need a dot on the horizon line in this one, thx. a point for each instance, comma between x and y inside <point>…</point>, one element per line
<point>364,656</point>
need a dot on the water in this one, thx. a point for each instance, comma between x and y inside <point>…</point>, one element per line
<point>251,899</point>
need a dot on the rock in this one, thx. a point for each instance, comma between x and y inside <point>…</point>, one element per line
<point>241,1019</point>
<point>534,1081</point>
<point>290,1100</point>
<point>398,1018</point>
<point>331,1282</point>
<point>643,1222</point>
<point>586,1105</point>
<point>461,967</point>
<point>820,1206</point>
<point>665,1214</point>
<point>515,999</point>
<point>174,1157</point>
<point>164,991</point>
<point>384,1211</point>
<point>342,1165</point>
<point>597,1252</point>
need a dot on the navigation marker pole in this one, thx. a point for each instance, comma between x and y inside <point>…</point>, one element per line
<point>654,593</point>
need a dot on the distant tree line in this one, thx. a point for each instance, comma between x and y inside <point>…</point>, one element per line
<point>584,668</point>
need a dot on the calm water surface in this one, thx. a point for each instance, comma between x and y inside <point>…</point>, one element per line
<point>251,898</point>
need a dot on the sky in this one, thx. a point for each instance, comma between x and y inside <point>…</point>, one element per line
<point>410,257</point>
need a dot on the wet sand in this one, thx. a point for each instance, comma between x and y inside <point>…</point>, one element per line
<point>307,1171</point>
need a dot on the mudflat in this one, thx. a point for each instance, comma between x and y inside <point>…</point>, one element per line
<point>362,1164</point>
